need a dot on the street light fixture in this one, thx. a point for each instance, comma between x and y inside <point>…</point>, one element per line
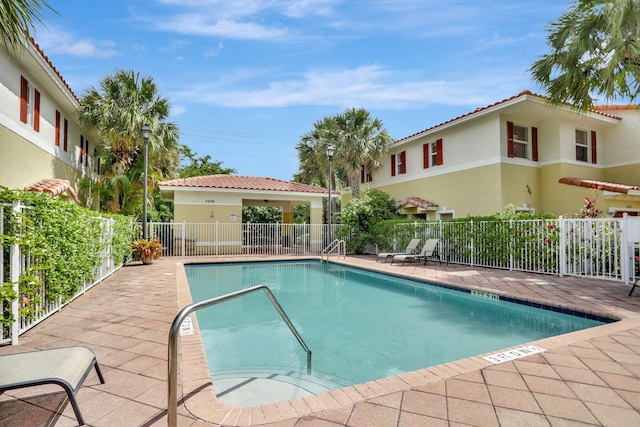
<point>330,150</point>
<point>146,134</point>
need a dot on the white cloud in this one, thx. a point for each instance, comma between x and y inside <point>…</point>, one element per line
<point>202,25</point>
<point>58,41</point>
<point>368,86</point>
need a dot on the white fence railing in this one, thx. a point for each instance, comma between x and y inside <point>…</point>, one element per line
<point>16,264</point>
<point>202,239</point>
<point>597,248</point>
<point>593,247</point>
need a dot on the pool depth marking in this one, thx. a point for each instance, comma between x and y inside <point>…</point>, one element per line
<point>517,353</point>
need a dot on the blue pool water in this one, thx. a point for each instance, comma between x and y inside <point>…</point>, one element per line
<point>360,325</point>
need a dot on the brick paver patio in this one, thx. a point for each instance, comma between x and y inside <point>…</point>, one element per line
<point>590,377</point>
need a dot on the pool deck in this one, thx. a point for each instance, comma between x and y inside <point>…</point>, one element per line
<point>589,377</point>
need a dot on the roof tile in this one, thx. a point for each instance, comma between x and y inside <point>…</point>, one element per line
<point>239,182</point>
<point>418,202</point>
<point>56,187</point>
<point>599,185</point>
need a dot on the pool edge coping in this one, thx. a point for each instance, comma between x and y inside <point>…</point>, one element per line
<point>199,398</point>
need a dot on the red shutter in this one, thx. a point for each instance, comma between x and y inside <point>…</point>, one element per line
<point>361,174</point>
<point>510,144</point>
<point>86,152</point>
<point>594,156</point>
<point>66,135</point>
<point>393,165</point>
<point>534,144</point>
<point>439,156</point>
<point>57,128</point>
<point>81,149</point>
<point>403,162</point>
<point>36,110</point>
<point>24,99</point>
<point>425,155</point>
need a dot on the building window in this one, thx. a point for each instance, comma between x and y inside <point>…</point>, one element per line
<point>522,142</point>
<point>586,149</point>
<point>399,163</point>
<point>29,104</point>
<point>365,175</point>
<point>445,214</point>
<point>65,135</point>
<point>58,133</point>
<point>432,154</point>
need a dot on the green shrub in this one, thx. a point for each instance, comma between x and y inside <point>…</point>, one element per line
<point>64,244</point>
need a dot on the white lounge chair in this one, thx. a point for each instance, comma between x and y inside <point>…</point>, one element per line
<point>429,250</point>
<point>66,366</point>
<point>410,249</point>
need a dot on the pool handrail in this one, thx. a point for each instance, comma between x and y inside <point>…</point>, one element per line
<point>338,245</point>
<point>172,360</point>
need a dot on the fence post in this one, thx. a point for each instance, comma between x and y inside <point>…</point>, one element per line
<point>562,259</point>
<point>626,255</point>
<point>182,239</point>
<point>14,277</point>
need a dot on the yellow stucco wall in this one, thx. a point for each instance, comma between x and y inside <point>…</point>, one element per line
<point>203,213</point>
<point>465,191</point>
<point>23,164</point>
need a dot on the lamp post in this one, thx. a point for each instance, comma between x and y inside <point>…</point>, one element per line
<point>146,133</point>
<point>329,218</point>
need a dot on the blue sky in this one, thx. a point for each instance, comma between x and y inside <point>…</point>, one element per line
<point>246,78</point>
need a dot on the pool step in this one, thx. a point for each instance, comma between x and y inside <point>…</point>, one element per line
<point>258,387</point>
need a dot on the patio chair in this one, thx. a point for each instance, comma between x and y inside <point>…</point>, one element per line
<point>429,250</point>
<point>410,249</point>
<point>66,366</point>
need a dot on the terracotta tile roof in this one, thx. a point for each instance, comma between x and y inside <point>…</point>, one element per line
<point>616,107</point>
<point>53,68</point>
<point>600,185</point>
<point>416,201</point>
<point>238,182</point>
<point>57,187</point>
<point>481,109</point>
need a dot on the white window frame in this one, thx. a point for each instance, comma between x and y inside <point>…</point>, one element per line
<point>399,163</point>
<point>433,155</point>
<point>586,145</point>
<point>522,142</point>
<point>445,212</point>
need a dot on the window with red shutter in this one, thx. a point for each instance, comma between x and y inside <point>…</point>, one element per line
<point>439,154</point>
<point>425,156</point>
<point>594,151</point>
<point>24,99</point>
<point>534,144</point>
<point>57,142</point>
<point>66,135</point>
<point>36,110</point>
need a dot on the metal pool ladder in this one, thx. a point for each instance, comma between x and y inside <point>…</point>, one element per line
<point>172,403</point>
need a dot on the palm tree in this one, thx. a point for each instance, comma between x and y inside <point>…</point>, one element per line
<point>18,18</point>
<point>312,153</point>
<point>361,141</point>
<point>595,50</point>
<point>125,102</point>
<point>358,141</point>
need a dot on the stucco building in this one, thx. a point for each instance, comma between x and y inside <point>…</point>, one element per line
<point>40,139</point>
<point>519,151</point>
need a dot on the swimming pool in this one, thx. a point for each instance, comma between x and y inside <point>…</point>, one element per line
<point>360,325</point>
